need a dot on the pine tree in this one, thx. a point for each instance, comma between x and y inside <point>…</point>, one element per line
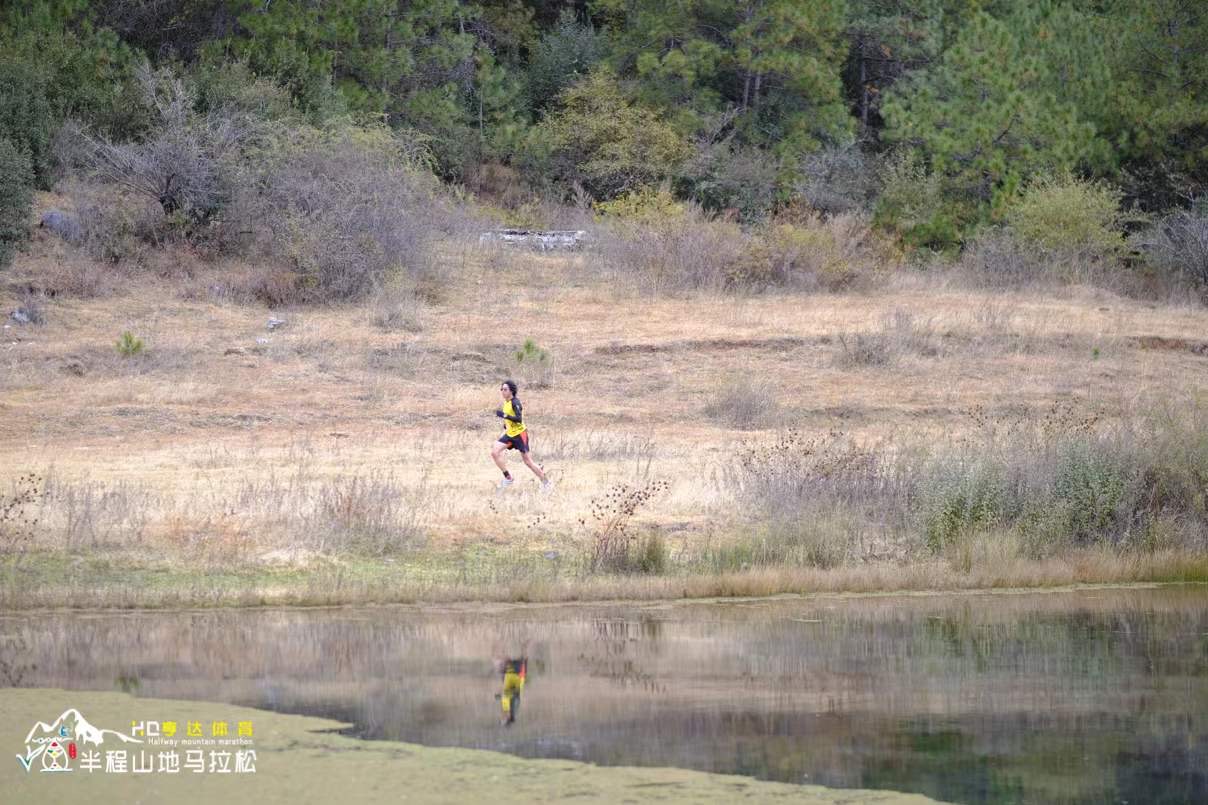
<point>1012,97</point>
<point>16,195</point>
<point>789,54</point>
<point>1159,53</point>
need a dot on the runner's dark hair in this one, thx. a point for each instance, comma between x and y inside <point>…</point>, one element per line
<point>511,384</point>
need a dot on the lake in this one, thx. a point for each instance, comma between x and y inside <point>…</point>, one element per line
<point>1094,695</point>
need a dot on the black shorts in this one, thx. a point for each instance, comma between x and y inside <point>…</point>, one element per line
<point>517,442</point>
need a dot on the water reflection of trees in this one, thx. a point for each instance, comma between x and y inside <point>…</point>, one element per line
<point>612,641</point>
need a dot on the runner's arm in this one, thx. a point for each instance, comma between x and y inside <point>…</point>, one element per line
<point>516,408</point>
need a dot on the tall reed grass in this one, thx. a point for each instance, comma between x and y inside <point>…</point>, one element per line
<point>1063,482</point>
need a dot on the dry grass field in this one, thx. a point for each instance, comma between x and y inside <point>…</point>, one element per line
<point>364,430</point>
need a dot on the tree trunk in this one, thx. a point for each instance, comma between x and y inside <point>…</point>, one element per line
<point>863,91</point>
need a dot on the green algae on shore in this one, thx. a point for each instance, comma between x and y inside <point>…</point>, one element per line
<point>303,759</point>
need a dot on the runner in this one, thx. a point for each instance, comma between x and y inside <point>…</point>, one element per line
<point>515,437</point>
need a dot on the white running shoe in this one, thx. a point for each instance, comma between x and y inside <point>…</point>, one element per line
<point>504,483</point>
<point>547,486</point>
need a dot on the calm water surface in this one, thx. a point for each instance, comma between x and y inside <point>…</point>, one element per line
<point>1094,696</point>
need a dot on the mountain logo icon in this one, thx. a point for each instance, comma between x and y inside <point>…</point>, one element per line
<point>56,743</point>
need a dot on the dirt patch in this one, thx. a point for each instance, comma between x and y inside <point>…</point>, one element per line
<point>705,345</point>
<point>1159,342</point>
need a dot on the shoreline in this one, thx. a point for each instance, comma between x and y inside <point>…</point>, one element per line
<point>301,759</point>
<point>91,583</point>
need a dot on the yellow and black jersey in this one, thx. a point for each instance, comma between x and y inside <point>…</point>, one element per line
<point>512,417</point>
<point>514,674</point>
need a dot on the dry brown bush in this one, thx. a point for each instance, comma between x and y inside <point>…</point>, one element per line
<point>1178,246</point>
<point>397,306</point>
<point>839,179</point>
<point>346,211</point>
<point>187,164</point>
<point>745,404</point>
<point>689,251</point>
<point>810,252</point>
<point>684,249</point>
<point>899,334</point>
<point>997,258</point>
<point>116,226</point>
<point>78,275</point>
<point>614,543</point>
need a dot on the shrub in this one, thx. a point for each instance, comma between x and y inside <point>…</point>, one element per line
<point>724,177</point>
<point>186,164</point>
<point>116,225</point>
<point>808,252</point>
<point>1089,489</point>
<point>838,179</point>
<point>900,334</point>
<point>16,198</point>
<point>998,259</point>
<point>745,404</point>
<point>962,498</point>
<point>534,364</point>
<point>597,138</point>
<point>913,205</point>
<point>332,214</point>
<point>668,245</point>
<point>1044,483</point>
<point>366,514</point>
<point>18,520</point>
<point>645,205</point>
<point>651,555</point>
<point>805,499</point>
<point>812,536</point>
<point>675,252</point>
<point>234,91</point>
<point>129,345</point>
<point>30,308</point>
<point>795,471</point>
<point>531,353</point>
<point>1175,478</point>
<point>865,349</point>
<point>1178,246</point>
<point>1066,215</point>
<point>613,543</point>
<point>397,306</point>
<point>76,275</point>
<point>345,209</point>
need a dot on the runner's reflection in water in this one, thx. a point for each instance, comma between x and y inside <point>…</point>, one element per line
<point>514,671</point>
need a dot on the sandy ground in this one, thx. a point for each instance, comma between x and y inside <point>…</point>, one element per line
<point>299,761</point>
